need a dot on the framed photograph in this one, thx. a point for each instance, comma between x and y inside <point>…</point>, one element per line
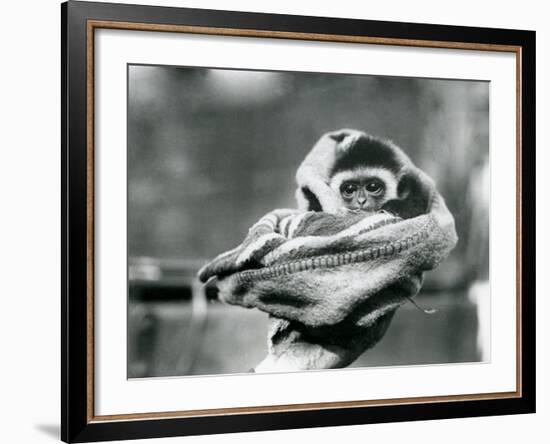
<point>276,221</point>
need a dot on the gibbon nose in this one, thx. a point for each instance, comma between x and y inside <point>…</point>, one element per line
<point>361,200</point>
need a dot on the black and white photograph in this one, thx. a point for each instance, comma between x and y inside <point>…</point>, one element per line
<point>278,222</point>
<point>282,221</point>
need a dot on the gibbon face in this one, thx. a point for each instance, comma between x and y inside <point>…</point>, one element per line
<point>365,188</point>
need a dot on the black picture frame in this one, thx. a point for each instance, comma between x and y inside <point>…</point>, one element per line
<point>77,424</point>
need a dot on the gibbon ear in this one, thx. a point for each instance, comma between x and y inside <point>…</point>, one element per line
<point>414,196</point>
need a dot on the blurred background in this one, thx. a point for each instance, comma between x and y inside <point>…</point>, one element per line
<point>212,150</point>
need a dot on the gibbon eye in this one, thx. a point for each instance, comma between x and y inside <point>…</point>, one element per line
<point>348,189</point>
<point>374,186</point>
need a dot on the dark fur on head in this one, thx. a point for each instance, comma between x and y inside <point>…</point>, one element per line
<point>347,150</point>
<point>413,196</point>
<point>370,151</point>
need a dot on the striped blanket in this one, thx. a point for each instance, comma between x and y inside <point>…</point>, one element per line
<point>290,241</point>
<point>332,280</point>
<point>331,263</point>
